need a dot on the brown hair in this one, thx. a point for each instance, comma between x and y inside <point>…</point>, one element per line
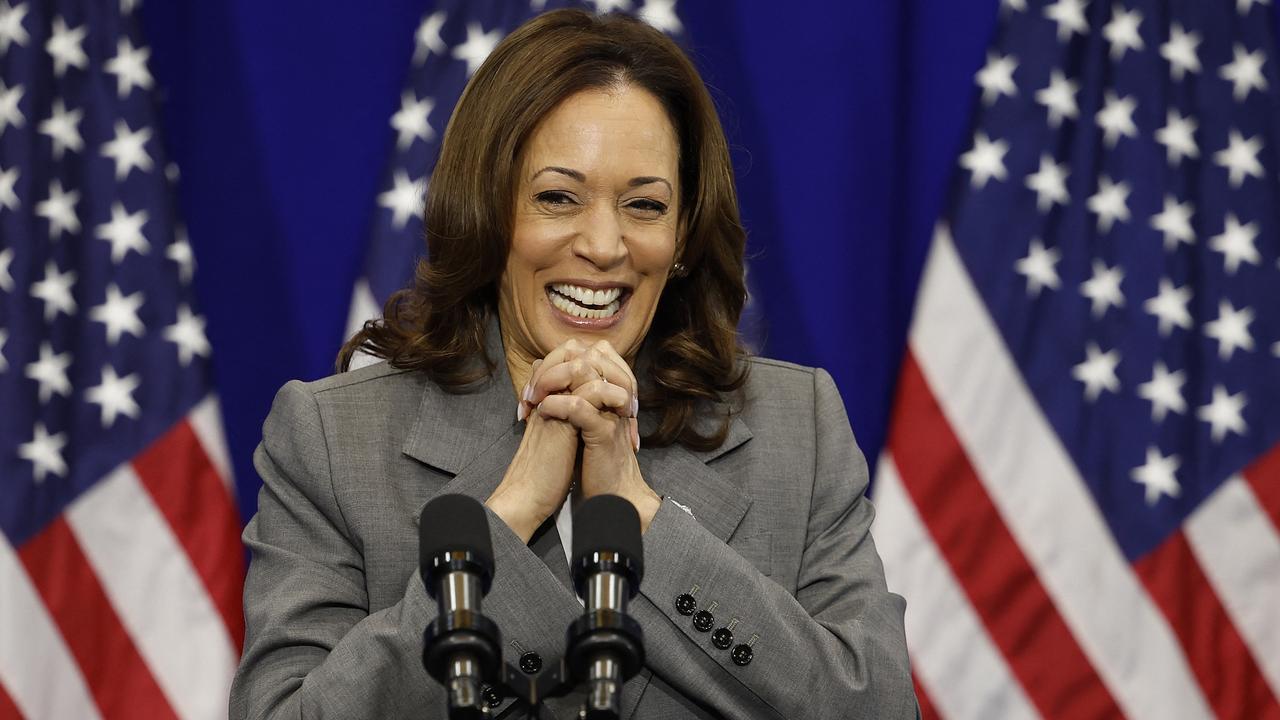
<point>692,353</point>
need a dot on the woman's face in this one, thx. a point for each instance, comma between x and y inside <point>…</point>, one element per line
<point>595,224</point>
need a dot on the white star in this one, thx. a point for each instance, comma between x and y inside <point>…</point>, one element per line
<point>1224,413</point>
<point>1110,203</point>
<point>128,150</point>
<point>45,453</point>
<point>180,252</point>
<point>55,291</point>
<point>1039,267</point>
<point>188,334</point>
<point>411,120</point>
<point>1231,329</point>
<point>1103,288</point>
<point>130,67</point>
<point>1069,14</point>
<point>1157,476</point>
<point>1122,32</point>
<point>11,29</point>
<point>1097,372</point>
<point>1060,98</point>
<point>477,46</point>
<point>1244,6</point>
<point>60,210</point>
<point>996,77</point>
<point>404,200</point>
<point>1275,349</point>
<point>428,37</point>
<point>1013,5</point>
<point>1049,183</point>
<point>127,6</point>
<point>661,14</point>
<point>64,46</point>
<point>4,337</point>
<point>985,160</point>
<point>119,313</point>
<point>50,373</point>
<point>1164,392</point>
<point>1240,157</point>
<point>1170,306</point>
<point>1116,118</point>
<point>1180,51</point>
<point>1174,221</point>
<point>1245,72</point>
<point>1178,137</point>
<point>63,129</point>
<point>9,178</point>
<point>124,232</point>
<point>10,114</point>
<point>115,395</point>
<point>1236,244</point>
<point>608,6</point>
<point>6,259</point>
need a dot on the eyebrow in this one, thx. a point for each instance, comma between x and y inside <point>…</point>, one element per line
<point>580,177</point>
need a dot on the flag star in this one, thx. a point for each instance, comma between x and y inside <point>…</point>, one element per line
<point>127,6</point>
<point>171,172</point>
<point>1231,329</point>
<point>608,6</point>
<point>661,14</point>
<point>11,30</point>
<point>9,178</point>
<point>10,114</point>
<point>1240,157</point>
<point>50,373</point>
<point>1116,118</point>
<point>410,121</point>
<point>404,200</point>
<point>1157,476</point>
<point>477,46</point>
<point>180,252</point>
<point>1174,221</point>
<point>55,291</point>
<point>64,46</point>
<point>6,259</point>
<point>1103,288</point>
<point>1180,51</point>
<point>1049,183</point>
<point>1224,413</point>
<point>427,38</point>
<point>1275,349</point>
<point>1244,6</point>
<point>115,396</point>
<point>1122,32</point>
<point>119,313</point>
<point>1236,244</point>
<point>1097,372</point>
<point>1069,14</point>
<point>1110,203</point>
<point>1178,137</point>
<point>188,334</point>
<point>63,129</point>
<point>1170,306</point>
<point>985,160</point>
<point>60,210</point>
<point>1245,72</point>
<point>1164,392</point>
<point>130,67</point>
<point>1040,268</point>
<point>44,452</point>
<point>1013,5</point>
<point>1059,98</point>
<point>128,150</point>
<point>124,232</point>
<point>996,77</point>
<point>4,337</point>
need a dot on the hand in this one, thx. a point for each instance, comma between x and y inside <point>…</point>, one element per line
<point>538,478</point>
<point>574,365</point>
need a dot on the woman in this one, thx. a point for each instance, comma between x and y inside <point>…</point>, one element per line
<point>574,334</point>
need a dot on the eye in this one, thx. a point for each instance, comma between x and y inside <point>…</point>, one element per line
<point>555,197</point>
<point>651,208</point>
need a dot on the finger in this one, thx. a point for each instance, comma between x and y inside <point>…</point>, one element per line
<point>566,350</point>
<point>578,412</point>
<point>611,365</point>
<point>605,396</point>
<point>570,375</point>
<point>606,348</point>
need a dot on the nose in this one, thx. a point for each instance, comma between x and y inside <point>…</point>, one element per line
<point>600,238</point>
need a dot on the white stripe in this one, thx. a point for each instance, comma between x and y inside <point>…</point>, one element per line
<point>1239,550</point>
<point>951,653</point>
<point>206,422</point>
<point>157,594</point>
<point>37,668</point>
<point>364,306</point>
<point>1043,500</point>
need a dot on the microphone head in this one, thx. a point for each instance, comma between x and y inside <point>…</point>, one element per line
<point>455,525</point>
<point>608,523</point>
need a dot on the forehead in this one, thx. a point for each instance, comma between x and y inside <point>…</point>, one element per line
<point>624,128</point>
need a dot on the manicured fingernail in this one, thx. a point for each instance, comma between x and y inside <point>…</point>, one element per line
<point>635,434</point>
<point>528,393</point>
<point>521,412</point>
<point>635,406</point>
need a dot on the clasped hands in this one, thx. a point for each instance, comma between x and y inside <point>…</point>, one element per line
<point>579,397</point>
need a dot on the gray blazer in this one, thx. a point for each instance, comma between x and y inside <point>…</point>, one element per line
<point>775,537</point>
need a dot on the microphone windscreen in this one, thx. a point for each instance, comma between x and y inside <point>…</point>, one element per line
<point>607,523</point>
<point>455,523</point>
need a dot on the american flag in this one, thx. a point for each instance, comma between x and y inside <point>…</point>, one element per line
<point>120,561</point>
<point>1080,492</point>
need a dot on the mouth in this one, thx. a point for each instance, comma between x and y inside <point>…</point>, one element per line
<point>586,303</point>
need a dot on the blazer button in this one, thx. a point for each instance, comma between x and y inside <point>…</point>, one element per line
<point>685,604</point>
<point>722,638</point>
<point>491,696</point>
<point>530,663</point>
<point>703,621</point>
<point>742,655</point>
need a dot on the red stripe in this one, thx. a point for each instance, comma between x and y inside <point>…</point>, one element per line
<point>927,710</point>
<point>116,674</point>
<point>185,486</point>
<point>8,709</point>
<point>987,561</point>
<point>1218,656</point>
<point>1264,479</point>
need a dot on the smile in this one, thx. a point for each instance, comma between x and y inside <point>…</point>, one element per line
<point>586,303</point>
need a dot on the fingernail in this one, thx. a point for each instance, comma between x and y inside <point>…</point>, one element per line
<point>635,406</point>
<point>527,394</point>
<point>635,434</point>
<point>521,412</point>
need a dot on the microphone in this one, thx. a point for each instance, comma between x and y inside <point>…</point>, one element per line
<point>605,645</point>
<point>461,647</point>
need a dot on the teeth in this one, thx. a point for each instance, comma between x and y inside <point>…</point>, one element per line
<point>587,296</point>
<point>569,306</point>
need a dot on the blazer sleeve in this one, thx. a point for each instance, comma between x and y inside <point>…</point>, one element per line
<point>837,649</point>
<point>313,649</point>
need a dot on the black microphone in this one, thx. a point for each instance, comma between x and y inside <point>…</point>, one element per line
<point>461,647</point>
<point>605,645</point>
